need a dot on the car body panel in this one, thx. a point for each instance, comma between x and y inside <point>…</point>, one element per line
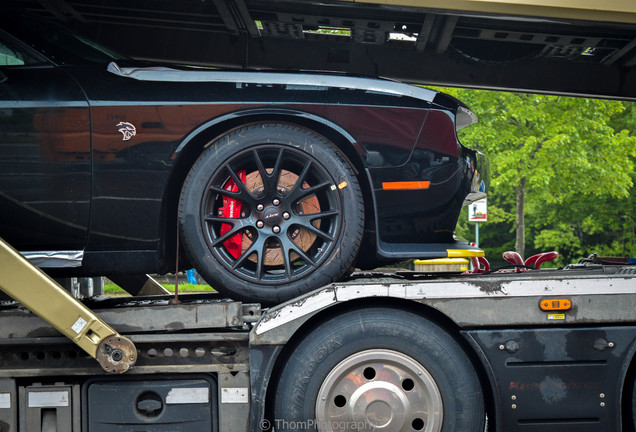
<point>129,175</point>
<point>45,200</point>
<point>428,214</point>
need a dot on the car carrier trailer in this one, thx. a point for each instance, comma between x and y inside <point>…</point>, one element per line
<point>544,350</point>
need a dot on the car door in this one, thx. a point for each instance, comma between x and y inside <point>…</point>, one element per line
<point>45,156</point>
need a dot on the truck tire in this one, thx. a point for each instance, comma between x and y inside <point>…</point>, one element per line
<point>271,211</point>
<point>634,405</point>
<point>378,368</point>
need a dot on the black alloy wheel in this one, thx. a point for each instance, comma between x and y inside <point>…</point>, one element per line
<point>271,211</point>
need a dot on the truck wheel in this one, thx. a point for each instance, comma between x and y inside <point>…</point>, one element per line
<point>378,369</point>
<point>271,211</point>
<point>634,405</point>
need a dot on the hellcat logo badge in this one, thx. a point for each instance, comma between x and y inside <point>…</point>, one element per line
<point>127,130</point>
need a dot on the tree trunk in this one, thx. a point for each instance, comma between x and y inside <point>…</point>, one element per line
<point>520,195</point>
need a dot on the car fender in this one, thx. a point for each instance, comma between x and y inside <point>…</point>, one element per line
<point>261,114</point>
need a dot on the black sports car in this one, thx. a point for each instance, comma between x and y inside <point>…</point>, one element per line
<point>270,184</point>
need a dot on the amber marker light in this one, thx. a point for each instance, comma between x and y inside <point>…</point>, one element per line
<point>406,185</point>
<point>555,304</point>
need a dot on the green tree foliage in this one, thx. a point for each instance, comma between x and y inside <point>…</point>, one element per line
<point>562,173</point>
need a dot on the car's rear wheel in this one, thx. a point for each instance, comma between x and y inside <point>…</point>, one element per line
<point>378,369</point>
<point>271,211</point>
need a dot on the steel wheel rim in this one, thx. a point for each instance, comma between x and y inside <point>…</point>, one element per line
<point>380,390</point>
<point>270,215</point>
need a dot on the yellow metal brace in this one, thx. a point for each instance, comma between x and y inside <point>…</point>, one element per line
<point>464,253</point>
<point>44,297</point>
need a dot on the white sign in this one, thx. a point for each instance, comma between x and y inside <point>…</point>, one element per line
<point>188,395</point>
<point>477,211</point>
<point>5,400</point>
<point>233,395</point>
<point>79,325</point>
<point>49,399</point>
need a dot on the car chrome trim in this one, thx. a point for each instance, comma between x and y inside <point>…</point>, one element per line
<point>465,117</point>
<point>55,259</point>
<point>43,104</point>
<point>274,78</point>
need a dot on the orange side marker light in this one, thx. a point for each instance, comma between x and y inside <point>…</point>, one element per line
<point>555,304</point>
<point>406,185</point>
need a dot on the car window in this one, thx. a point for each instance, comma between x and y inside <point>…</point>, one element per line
<point>51,41</point>
<point>59,44</point>
<point>11,54</point>
<point>10,57</point>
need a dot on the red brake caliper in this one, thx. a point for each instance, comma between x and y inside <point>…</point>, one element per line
<point>232,209</point>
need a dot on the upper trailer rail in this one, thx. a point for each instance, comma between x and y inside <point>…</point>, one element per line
<point>622,11</point>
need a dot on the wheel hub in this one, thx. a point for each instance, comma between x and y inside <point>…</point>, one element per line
<point>379,390</point>
<point>379,404</point>
<point>272,216</point>
<point>379,414</point>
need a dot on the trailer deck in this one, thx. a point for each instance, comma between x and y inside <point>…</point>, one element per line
<point>565,366</point>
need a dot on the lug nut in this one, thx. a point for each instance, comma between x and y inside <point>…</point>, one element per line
<point>117,355</point>
<point>276,229</point>
<point>276,202</point>
<point>260,207</point>
<point>260,224</point>
<point>285,215</point>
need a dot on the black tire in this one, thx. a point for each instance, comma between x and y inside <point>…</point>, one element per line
<point>634,405</point>
<point>298,218</point>
<point>341,373</point>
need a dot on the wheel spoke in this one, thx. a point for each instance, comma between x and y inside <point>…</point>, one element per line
<point>318,232</point>
<point>261,168</point>
<point>301,177</point>
<point>260,260</point>
<point>240,260</point>
<point>220,191</point>
<point>302,255</point>
<point>310,217</point>
<point>286,258</point>
<point>277,167</point>
<point>220,219</point>
<point>298,194</point>
<point>243,192</point>
<point>238,225</point>
<point>270,180</point>
<point>253,248</point>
